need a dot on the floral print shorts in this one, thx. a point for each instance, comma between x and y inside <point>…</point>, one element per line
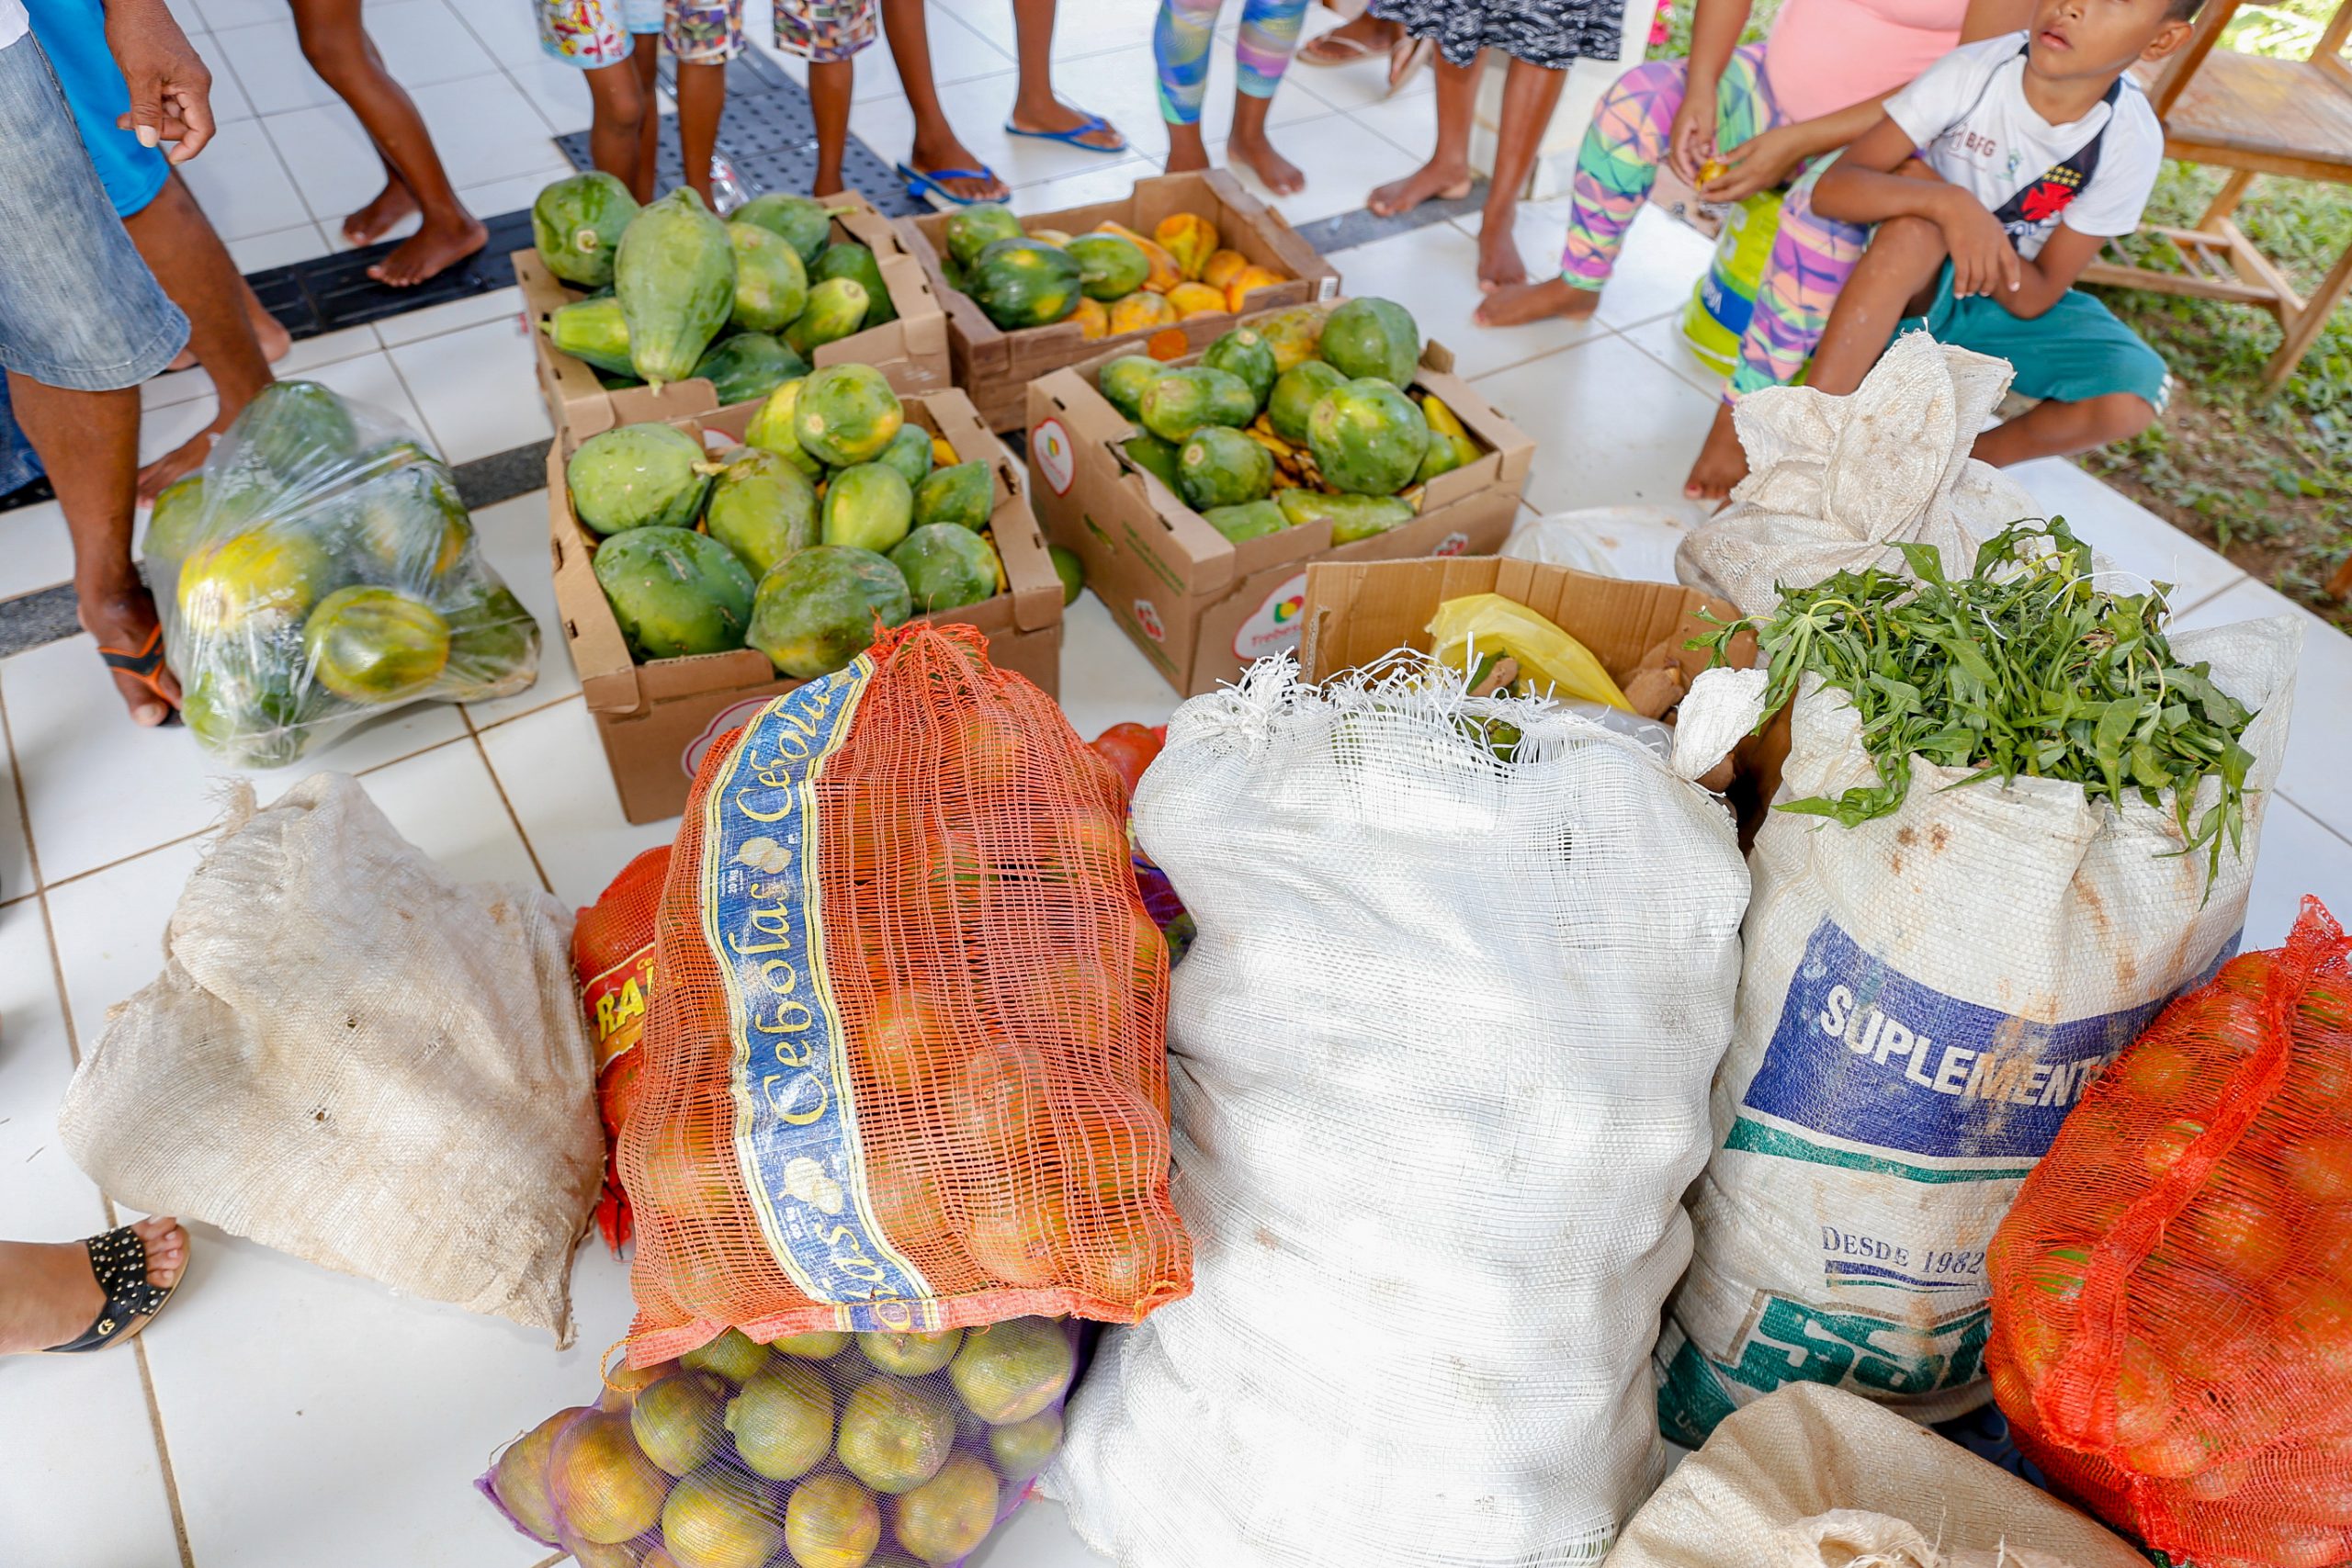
<point>824,30</point>
<point>592,33</point>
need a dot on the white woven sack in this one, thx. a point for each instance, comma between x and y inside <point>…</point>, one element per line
<point>1833,483</point>
<point>1439,1063</point>
<point>1924,998</point>
<point>1813,1478</point>
<point>354,1058</point>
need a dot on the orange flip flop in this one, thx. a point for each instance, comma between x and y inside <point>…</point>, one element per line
<point>141,667</point>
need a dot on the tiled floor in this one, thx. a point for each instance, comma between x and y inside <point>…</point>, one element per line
<point>281,1415</point>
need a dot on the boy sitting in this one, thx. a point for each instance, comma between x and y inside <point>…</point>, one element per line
<point>2037,149</point>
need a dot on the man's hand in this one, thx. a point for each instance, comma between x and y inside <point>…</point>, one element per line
<point>171,90</point>
<point>1758,163</point>
<point>1983,260</point>
<point>1690,140</point>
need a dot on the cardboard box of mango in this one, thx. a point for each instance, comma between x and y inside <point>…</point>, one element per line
<point>1196,492</point>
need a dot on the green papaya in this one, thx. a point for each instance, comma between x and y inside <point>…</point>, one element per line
<point>836,309</point>
<point>1024,283</point>
<point>407,525</point>
<point>946,567</point>
<point>1219,467</point>
<point>295,428</point>
<point>1154,457</point>
<point>591,330</point>
<point>971,230</point>
<point>868,506</point>
<point>173,527</point>
<point>763,508</point>
<point>1372,337</point>
<point>1367,437</point>
<point>856,263</point>
<point>953,271</point>
<point>1182,401</point>
<point>1071,570</point>
<point>846,414</point>
<point>1125,380</point>
<point>910,453</point>
<point>376,645</point>
<point>1109,266</point>
<point>1249,520</point>
<point>1246,355</point>
<point>801,222</point>
<point>1296,391</point>
<point>674,593</point>
<point>1352,517</point>
<point>961,493</point>
<point>743,366</point>
<point>816,612</point>
<point>576,224</point>
<point>493,648</point>
<point>771,282</point>
<point>771,430</point>
<point>675,279</point>
<point>640,476</point>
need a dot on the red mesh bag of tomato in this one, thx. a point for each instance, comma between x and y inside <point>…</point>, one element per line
<point>2172,1293</point>
<point>612,957</point>
<point>905,1068</point>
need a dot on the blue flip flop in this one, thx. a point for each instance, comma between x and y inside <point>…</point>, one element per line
<point>922,186</point>
<point>1069,138</point>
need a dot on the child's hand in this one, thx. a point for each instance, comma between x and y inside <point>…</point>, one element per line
<point>1690,140</point>
<point>1758,163</point>
<point>1983,260</point>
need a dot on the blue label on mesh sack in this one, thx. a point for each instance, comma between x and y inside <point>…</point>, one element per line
<point>796,1117</point>
<point>1871,1070</point>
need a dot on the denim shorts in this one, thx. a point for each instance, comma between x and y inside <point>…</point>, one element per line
<point>78,308</point>
<point>73,33</point>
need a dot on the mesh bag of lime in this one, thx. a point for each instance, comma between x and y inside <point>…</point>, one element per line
<point>825,1451</point>
<point>320,568</point>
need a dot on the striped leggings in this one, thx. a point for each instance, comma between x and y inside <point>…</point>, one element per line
<point>1619,163</point>
<point>1181,43</point>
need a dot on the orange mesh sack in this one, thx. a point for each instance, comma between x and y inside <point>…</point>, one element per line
<point>612,955</point>
<point>906,1068</point>
<point>2172,1293</point>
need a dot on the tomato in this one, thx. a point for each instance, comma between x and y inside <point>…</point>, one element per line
<point>2033,1338</point>
<point>2168,1142</point>
<point>2319,1320</point>
<point>2240,1231</point>
<point>2155,1069</point>
<point>2144,1396</point>
<point>1130,748</point>
<point>2320,1169</point>
<point>2178,1453</point>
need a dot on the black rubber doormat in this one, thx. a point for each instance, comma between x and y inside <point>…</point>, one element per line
<point>327,294</point>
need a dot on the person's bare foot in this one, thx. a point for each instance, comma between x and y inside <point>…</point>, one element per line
<point>1498,264</point>
<point>124,619</point>
<point>1057,116</point>
<point>1722,464</point>
<point>269,333</point>
<point>1277,173</point>
<point>180,461</point>
<point>947,152</point>
<point>1431,182</point>
<point>49,1295</point>
<point>430,252</point>
<point>372,222</point>
<point>1361,39</point>
<point>1522,303</point>
<point>1183,160</point>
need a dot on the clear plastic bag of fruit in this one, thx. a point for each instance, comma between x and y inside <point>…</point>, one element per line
<point>824,1450</point>
<point>321,568</point>
<point>2172,1292</point>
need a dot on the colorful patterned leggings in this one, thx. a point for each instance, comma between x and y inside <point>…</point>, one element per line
<point>1619,163</point>
<point>1182,39</point>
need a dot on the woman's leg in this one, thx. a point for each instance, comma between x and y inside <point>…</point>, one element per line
<point>49,1293</point>
<point>936,145</point>
<point>338,49</point>
<point>1269,34</point>
<point>1446,176</point>
<point>1180,48</point>
<point>1529,94</point>
<point>1034,106</point>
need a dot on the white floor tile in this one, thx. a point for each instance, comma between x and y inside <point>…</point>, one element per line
<point>281,247</point>
<point>486,129</point>
<point>242,187</point>
<point>512,536</point>
<point>1433,271</point>
<point>2318,774</point>
<point>2299,855</point>
<point>1095,28</point>
<point>445,802</point>
<point>1409,123</point>
<point>35,552</point>
<point>219,16</point>
<point>423,42</point>
<point>369,379</point>
<point>99,789</point>
<point>229,100</point>
<point>16,861</point>
<point>334,166</point>
<point>1342,159</point>
<point>1661,338</point>
<point>553,769</point>
<point>46,1197</point>
<point>1106,182</point>
<point>559,92</point>
<point>2127,533</point>
<point>412,326</point>
<point>1661,260</point>
<point>109,927</point>
<point>1106,680</point>
<point>164,429</point>
<point>266,60</point>
<point>511,33</point>
<point>306,356</point>
<point>1039,1536</point>
<point>477,388</point>
<point>1610,423</point>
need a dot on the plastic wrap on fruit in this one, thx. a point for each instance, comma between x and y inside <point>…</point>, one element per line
<point>318,569</point>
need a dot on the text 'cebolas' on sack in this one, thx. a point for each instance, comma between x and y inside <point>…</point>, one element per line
<point>1925,995</point>
<point>905,1069</point>
<point>1464,967</point>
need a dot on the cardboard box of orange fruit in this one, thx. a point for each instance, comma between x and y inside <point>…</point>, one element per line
<point>1214,250</point>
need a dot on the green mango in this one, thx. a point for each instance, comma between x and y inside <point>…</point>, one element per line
<point>1370,337</point>
<point>745,366</point>
<point>962,493</point>
<point>763,508</point>
<point>869,507</point>
<point>946,567</point>
<point>1367,437</point>
<point>638,476</point>
<point>1182,401</point>
<point>676,278</point>
<point>1071,570</point>
<point>771,282</point>
<point>836,309</point>
<point>910,453</point>
<point>1219,467</point>
<point>1352,517</point>
<point>1296,391</point>
<point>1124,381</point>
<point>846,414</point>
<point>816,612</point>
<point>576,224</point>
<point>1024,283</point>
<point>971,230</point>
<point>1110,266</point>
<point>591,330</point>
<point>674,593</point>
<point>1246,355</point>
<point>1249,520</point>
<point>1155,456</point>
<point>800,221</point>
<point>855,261</point>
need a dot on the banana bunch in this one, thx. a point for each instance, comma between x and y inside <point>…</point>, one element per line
<point>1293,466</point>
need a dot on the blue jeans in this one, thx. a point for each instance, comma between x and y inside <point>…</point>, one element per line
<point>78,308</point>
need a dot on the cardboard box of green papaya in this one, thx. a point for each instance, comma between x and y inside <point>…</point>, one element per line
<point>657,719</point>
<point>996,365</point>
<point>1203,605</point>
<point>912,350</point>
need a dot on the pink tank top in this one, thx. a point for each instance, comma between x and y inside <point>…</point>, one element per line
<point>1824,54</point>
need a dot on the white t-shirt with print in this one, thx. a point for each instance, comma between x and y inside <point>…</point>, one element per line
<point>1967,113</point>
<point>13,24</point>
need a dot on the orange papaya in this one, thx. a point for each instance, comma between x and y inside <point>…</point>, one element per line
<point>1140,310</point>
<point>1223,267</point>
<point>1195,299</point>
<point>1238,291</point>
<point>1165,274</point>
<point>1188,237</point>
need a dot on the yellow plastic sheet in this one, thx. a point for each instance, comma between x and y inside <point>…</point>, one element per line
<point>1551,662</point>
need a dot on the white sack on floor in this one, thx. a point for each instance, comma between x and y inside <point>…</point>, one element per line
<point>353,1057</point>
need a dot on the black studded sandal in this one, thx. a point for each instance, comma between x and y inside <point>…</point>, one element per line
<point>118,1259</point>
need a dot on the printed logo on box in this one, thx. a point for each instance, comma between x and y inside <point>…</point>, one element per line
<point>1275,625</point>
<point>1453,543</point>
<point>732,716</point>
<point>1148,619</point>
<point>1049,448</point>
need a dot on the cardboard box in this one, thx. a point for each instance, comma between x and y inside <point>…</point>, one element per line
<point>1200,606</point>
<point>911,351</point>
<point>656,720</point>
<point>1354,614</point>
<point>996,367</point>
